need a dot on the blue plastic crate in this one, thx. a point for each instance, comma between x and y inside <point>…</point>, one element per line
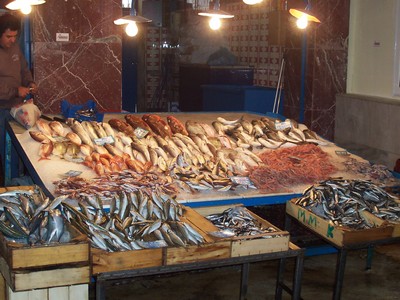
<point>239,98</point>
<point>69,110</point>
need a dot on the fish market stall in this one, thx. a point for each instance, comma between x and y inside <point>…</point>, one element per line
<point>128,183</point>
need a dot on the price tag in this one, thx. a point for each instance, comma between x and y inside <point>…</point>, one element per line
<point>342,153</point>
<point>105,140</point>
<point>72,173</point>
<point>283,125</point>
<point>241,180</point>
<point>140,132</point>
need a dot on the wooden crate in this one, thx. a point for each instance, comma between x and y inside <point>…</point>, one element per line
<point>26,267</point>
<point>396,225</point>
<point>80,292</point>
<point>339,236</point>
<point>103,261</point>
<point>254,244</point>
<point>208,251</point>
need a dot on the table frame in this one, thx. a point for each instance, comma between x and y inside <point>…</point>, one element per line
<point>293,252</point>
<point>342,252</point>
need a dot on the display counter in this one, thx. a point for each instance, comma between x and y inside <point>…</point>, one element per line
<point>44,172</point>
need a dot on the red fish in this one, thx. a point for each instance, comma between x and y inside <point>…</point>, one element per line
<point>158,125</point>
<point>176,125</point>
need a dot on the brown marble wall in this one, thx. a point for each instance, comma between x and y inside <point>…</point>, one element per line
<point>88,66</point>
<point>326,64</point>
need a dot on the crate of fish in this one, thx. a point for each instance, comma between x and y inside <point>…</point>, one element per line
<point>248,233</point>
<point>346,212</point>
<point>138,229</point>
<point>38,248</point>
<point>209,247</point>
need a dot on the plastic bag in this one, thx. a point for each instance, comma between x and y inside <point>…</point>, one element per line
<point>26,114</point>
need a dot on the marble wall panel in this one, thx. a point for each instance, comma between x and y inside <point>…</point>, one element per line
<point>326,65</point>
<point>87,65</point>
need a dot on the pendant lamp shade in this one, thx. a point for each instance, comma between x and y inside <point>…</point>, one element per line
<point>24,5</point>
<point>216,12</point>
<point>131,20</point>
<point>303,13</point>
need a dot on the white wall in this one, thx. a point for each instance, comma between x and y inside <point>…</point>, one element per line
<point>371,62</point>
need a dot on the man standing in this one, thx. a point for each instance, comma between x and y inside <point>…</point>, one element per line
<point>16,80</point>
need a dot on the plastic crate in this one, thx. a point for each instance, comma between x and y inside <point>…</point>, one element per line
<point>69,110</point>
<point>239,98</point>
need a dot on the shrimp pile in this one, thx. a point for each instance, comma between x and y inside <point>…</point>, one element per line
<point>282,168</point>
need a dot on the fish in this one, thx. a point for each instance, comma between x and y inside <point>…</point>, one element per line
<point>158,125</point>
<point>108,129</point>
<point>39,136</point>
<point>59,149</point>
<point>176,125</point>
<point>342,202</point>
<point>86,150</point>
<point>229,122</point>
<point>89,130</point>
<point>194,128</point>
<point>122,126</point>
<point>136,121</point>
<point>74,138</point>
<point>57,128</point>
<point>55,226</point>
<point>142,149</point>
<point>81,132</point>
<point>99,129</point>
<point>44,127</point>
<point>45,151</point>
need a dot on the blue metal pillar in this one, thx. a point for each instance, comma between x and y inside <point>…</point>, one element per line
<point>303,77</point>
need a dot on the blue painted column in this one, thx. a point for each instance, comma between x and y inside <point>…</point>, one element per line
<point>303,77</point>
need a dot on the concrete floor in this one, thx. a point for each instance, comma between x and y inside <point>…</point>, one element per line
<point>381,282</point>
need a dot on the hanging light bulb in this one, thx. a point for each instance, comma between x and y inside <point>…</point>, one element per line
<point>24,5</point>
<point>26,8</point>
<point>131,21</point>
<point>252,2</point>
<point>302,22</point>
<point>214,14</point>
<point>303,16</point>
<point>215,23</point>
<point>131,29</point>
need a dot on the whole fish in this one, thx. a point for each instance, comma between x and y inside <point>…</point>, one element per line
<point>45,151</point>
<point>39,136</point>
<point>57,128</point>
<point>176,125</point>
<point>74,138</point>
<point>44,127</point>
<point>55,226</point>
<point>81,132</point>
<point>136,121</point>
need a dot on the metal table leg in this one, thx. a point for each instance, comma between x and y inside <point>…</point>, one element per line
<point>298,274</point>
<point>244,281</point>
<point>340,267</point>
<point>279,279</point>
<point>100,290</point>
<point>370,254</point>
